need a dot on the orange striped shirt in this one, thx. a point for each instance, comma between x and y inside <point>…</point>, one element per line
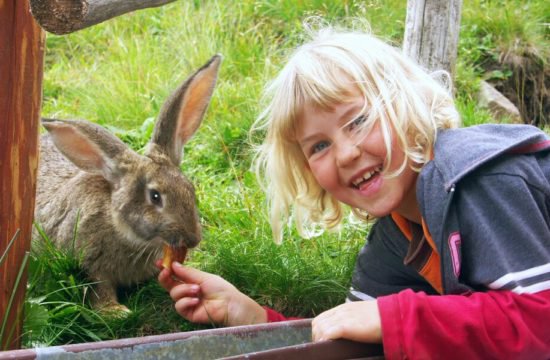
<point>431,269</point>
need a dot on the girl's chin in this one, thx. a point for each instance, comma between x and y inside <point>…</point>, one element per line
<point>377,209</point>
<point>377,213</point>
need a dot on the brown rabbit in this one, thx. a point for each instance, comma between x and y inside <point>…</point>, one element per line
<point>125,206</point>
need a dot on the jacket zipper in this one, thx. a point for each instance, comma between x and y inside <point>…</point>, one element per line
<point>444,231</point>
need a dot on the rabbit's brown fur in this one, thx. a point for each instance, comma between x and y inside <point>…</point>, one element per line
<point>125,206</point>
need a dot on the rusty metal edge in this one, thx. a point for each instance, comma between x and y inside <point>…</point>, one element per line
<point>26,354</point>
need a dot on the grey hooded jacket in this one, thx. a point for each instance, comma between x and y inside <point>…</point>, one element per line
<point>486,200</point>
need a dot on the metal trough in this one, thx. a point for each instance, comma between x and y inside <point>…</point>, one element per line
<point>285,340</point>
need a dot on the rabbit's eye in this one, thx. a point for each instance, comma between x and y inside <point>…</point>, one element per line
<point>155,197</point>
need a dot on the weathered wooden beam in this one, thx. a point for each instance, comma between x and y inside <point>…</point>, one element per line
<point>21,68</point>
<point>431,33</point>
<point>67,16</point>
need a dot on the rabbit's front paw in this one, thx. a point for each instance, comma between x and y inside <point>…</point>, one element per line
<point>104,300</point>
<point>114,310</point>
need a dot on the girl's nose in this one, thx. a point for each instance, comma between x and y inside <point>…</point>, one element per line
<point>347,152</point>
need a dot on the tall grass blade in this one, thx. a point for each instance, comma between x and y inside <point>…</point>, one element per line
<point>12,241</point>
<point>10,302</point>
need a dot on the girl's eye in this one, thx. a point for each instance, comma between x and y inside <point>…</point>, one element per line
<point>320,146</point>
<point>357,122</point>
<point>155,197</point>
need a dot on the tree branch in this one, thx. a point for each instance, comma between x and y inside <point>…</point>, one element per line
<point>67,16</point>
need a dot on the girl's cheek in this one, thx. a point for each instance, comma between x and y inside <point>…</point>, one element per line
<point>324,177</point>
<point>314,170</point>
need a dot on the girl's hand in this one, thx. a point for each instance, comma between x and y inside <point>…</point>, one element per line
<point>205,298</point>
<point>358,321</point>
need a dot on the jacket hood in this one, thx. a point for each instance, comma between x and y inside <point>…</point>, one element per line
<point>460,151</point>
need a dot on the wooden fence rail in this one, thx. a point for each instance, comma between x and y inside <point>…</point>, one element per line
<point>67,16</point>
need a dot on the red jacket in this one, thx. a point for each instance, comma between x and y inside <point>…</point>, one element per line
<point>500,323</point>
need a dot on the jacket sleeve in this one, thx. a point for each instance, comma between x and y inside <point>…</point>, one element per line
<point>274,316</point>
<point>505,231</point>
<point>489,325</point>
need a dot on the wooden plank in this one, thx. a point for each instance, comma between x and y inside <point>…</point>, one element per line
<point>21,68</point>
<point>431,33</point>
<point>67,16</point>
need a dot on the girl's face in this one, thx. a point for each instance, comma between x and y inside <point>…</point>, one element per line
<point>348,163</point>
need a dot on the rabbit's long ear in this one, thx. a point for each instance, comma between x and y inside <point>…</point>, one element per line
<point>87,145</point>
<point>183,111</point>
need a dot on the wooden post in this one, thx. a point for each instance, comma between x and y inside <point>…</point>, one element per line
<point>431,33</point>
<point>21,68</point>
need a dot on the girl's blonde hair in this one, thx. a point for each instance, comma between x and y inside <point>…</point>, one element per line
<point>332,68</point>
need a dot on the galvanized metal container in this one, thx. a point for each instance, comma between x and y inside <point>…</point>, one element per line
<point>285,340</point>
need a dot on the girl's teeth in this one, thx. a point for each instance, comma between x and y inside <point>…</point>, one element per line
<point>366,176</point>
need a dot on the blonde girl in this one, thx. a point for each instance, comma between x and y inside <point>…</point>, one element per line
<point>457,264</point>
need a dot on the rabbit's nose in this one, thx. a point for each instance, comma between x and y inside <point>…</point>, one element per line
<point>191,240</point>
<point>187,239</point>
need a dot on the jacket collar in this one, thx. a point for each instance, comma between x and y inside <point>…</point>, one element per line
<point>458,152</point>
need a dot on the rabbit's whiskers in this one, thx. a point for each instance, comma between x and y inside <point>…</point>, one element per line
<point>152,253</point>
<point>139,252</point>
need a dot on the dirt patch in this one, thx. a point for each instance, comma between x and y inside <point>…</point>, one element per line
<point>528,86</point>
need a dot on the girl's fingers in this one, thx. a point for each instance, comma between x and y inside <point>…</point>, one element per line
<point>186,305</point>
<point>329,333</point>
<point>188,274</point>
<point>358,321</point>
<point>184,291</point>
<point>165,279</point>
<point>323,327</point>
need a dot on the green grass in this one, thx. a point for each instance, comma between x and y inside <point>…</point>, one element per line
<point>508,27</point>
<point>7,329</point>
<point>118,73</point>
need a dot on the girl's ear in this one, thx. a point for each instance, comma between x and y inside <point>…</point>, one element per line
<point>183,111</point>
<point>87,145</point>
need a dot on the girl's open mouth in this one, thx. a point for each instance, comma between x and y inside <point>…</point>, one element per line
<point>367,177</point>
